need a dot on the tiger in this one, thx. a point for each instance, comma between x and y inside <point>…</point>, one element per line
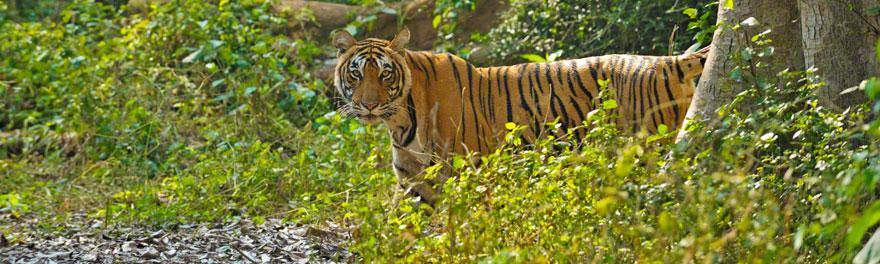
<point>435,105</point>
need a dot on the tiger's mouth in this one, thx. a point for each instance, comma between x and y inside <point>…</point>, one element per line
<point>369,119</point>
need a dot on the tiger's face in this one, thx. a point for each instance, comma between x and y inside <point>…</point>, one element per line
<point>371,76</point>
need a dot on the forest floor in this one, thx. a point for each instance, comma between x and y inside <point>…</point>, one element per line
<point>82,239</point>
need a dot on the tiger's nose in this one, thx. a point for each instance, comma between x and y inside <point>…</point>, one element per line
<point>370,105</point>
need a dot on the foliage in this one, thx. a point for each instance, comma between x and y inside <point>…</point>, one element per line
<point>31,10</point>
<point>166,113</point>
<point>785,182</point>
<point>581,28</point>
<point>201,111</point>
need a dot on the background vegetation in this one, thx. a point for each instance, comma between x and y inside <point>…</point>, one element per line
<point>206,111</point>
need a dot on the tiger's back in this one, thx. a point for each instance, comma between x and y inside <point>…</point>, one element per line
<point>468,107</point>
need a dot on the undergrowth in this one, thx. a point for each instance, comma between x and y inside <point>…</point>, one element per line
<point>201,111</point>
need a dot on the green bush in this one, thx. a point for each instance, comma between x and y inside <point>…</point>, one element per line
<point>99,100</point>
<point>784,182</point>
<point>581,28</point>
<point>200,111</point>
<point>777,178</point>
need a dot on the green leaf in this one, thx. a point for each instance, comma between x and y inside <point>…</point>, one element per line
<point>662,129</point>
<point>691,12</point>
<point>728,4</point>
<point>878,50</point>
<point>871,87</point>
<point>533,58</point>
<point>458,162</point>
<point>609,104</point>
<point>873,11</point>
<point>510,125</point>
<point>868,219</point>
<point>736,75</point>
<point>436,21</point>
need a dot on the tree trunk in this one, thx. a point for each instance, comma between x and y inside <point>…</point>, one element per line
<point>716,88</point>
<point>839,42</point>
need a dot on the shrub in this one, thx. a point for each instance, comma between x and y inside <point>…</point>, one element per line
<point>143,97</point>
<point>580,28</point>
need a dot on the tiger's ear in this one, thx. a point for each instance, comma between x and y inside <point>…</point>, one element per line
<point>343,40</point>
<point>399,42</point>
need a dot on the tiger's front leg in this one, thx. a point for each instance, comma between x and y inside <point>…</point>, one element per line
<point>410,176</point>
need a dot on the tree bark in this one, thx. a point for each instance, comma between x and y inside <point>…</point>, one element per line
<point>839,42</point>
<point>716,88</point>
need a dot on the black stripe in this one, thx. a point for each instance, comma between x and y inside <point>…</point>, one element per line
<point>613,75</point>
<point>536,98</point>
<point>537,77</point>
<point>536,127</point>
<point>430,63</point>
<point>620,80</point>
<point>647,96</point>
<point>461,102</point>
<point>559,68</point>
<point>359,50</point>
<point>580,113</point>
<point>524,104</point>
<point>678,70</point>
<point>652,82</point>
<point>577,76</point>
<point>552,91</point>
<point>565,118</point>
<point>549,78</point>
<point>411,135</point>
<point>591,66</point>
<point>481,97</point>
<point>641,99</point>
<point>630,80</point>
<point>470,76</point>
<point>490,104</point>
<point>401,78</point>
<point>558,80</point>
<point>498,86</point>
<point>419,66</point>
<point>507,94</point>
<point>669,91</point>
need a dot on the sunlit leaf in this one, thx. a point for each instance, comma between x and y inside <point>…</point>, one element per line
<point>436,22</point>
<point>609,104</point>
<point>533,58</point>
<point>690,12</point>
<point>869,218</point>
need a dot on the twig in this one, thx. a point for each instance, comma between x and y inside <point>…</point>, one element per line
<point>672,40</point>
<point>243,254</point>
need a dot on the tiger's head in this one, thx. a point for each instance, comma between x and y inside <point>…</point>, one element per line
<point>371,76</point>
